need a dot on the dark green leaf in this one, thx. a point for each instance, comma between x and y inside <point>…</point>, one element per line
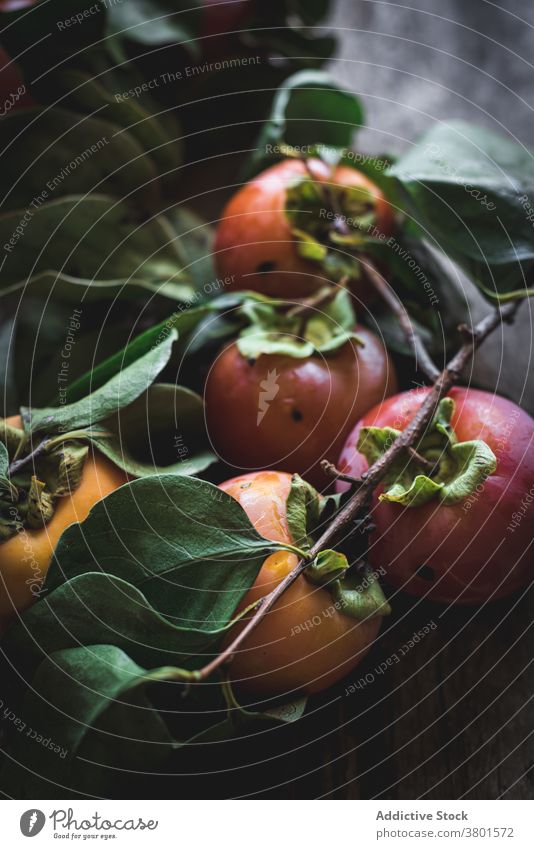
<point>164,430</point>
<point>309,108</point>
<point>69,694</point>
<point>98,608</point>
<point>90,248</point>
<point>154,22</point>
<point>471,191</point>
<point>131,109</point>
<point>181,322</point>
<point>50,153</point>
<point>120,390</point>
<point>184,543</point>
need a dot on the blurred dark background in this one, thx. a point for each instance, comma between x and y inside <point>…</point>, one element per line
<point>418,62</point>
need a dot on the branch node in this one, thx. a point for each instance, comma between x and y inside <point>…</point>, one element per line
<point>333,472</point>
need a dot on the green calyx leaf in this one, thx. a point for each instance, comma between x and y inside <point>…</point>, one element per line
<point>28,495</point>
<point>330,223</point>
<point>360,596</point>
<point>303,508</point>
<point>440,468</point>
<point>322,329</point>
<point>328,566</point>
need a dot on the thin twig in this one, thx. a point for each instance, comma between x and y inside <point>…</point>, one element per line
<point>332,471</point>
<point>17,464</point>
<point>313,303</point>
<point>375,474</point>
<point>423,360</point>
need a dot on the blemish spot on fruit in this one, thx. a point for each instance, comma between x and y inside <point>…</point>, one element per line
<point>296,415</point>
<point>265,267</point>
<point>251,361</point>
<point>425,572</point>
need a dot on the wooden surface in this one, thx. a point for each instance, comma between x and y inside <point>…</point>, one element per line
<point>451,719</point>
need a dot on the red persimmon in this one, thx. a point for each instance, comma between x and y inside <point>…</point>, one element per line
<point>278,411</point>
<point>477,548</point>
<point>255,244</point>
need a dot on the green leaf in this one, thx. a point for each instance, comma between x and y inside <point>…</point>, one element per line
<point>62,468</point>
<point>163,430</point>
<point>360,596</point>
<point>303,506</point>
<point>194,241</point>
<point>175,538</point>
<point>69,694</point>
<point>51,153</point>
<point>328,566</point>
<point>155,22</point>
<point>309,108</point>
<point>471,191</point>
<point>88,248</point>
<point>420,490</point>
<point>99,608</point>
<point>475,462</point>
<point>120,390</point>
<point>181,322</point>
<point>4,460</point>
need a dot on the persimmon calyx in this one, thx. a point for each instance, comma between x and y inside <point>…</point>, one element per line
<point>440,468</point>
<point>321,330</point>
<point>30,486</point>
<point>325,218</point>
<point>328,566</point>
<point>360,596</point>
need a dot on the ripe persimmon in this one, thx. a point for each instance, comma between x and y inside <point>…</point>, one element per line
<point>26,556</point>
<point>305,643</point>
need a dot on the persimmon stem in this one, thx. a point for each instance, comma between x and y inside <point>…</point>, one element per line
<point>450,375</point>
<point>423,360</point>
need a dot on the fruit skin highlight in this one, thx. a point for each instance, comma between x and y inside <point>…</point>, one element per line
<point>254,244</point>
<point>289,413</point>
<point>281,656</point>
<point>469,551</point>
<point>25,557</point>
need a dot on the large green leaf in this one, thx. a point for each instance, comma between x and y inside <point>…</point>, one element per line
<point>111,396</point>
<point>181,322</point>
<point>50,153</point>
<point>90,246</point>
<point>471,191</point>
<point>98,608</point>
<point>172,537</point>
<point>163,430</point>
<point>70,692</point>
<point>310,108</point>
